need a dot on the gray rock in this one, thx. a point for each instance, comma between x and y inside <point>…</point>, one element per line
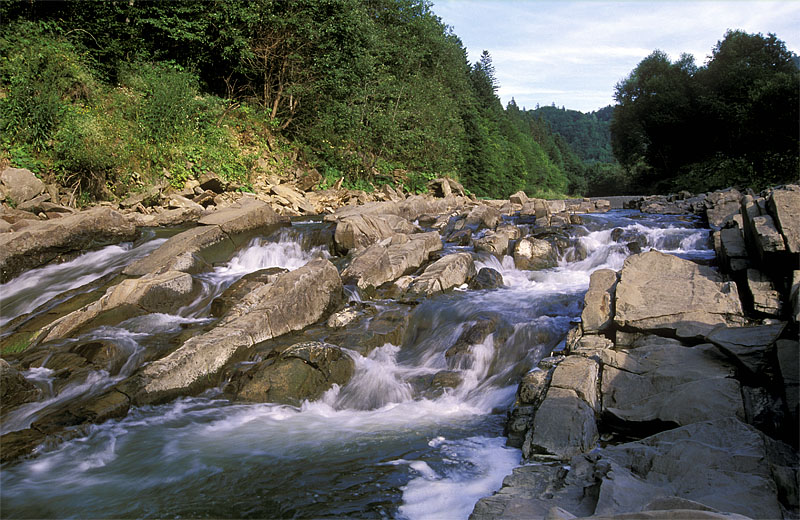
<point>563,426</point>
<point>534,253</point>
<point>40,242</point>
<point>14,389</point>
<point>446,273</point>
<point>239,289</point>
<point>247,214</point>
<point>295,300</point>
<point>364,230</point>
<point>494,243</point>
<point>749,347</point>
<point>762,293</point>
<point>165,292</point>
<point>185,252</point>
<point>789,363</point>
<point>381,263</point>
<point>661,292</point>
<point>669,384</point>
<point>598,310</point>
<point>794,296</point>
<point>722,206</point>
<point>538,208</point>
<point>785,208</point>
<point>487,278</point>
<point>482,216</point>
<point>20,184</point>
<point>301,372</point>
<point>732,251</point>
<point>519,197</point>
<point>580,375</point>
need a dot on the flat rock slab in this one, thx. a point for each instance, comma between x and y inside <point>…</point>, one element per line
<point>749,347</point>
<point>658,292</point>
<point>669,384</point>
<point>43,241</point>
<point>246,215</point>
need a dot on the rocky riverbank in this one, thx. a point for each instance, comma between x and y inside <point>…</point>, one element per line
<point>677,391</point>
<point>677,394</point>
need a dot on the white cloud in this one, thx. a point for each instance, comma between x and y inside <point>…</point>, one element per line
<point>574,52</point>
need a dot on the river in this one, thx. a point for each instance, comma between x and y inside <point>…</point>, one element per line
<point>379,447</point>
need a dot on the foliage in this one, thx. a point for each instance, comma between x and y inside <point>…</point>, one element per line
<point>589,135</point>
<point>730,122</point>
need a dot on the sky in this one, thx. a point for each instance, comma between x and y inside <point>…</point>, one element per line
<point>573,53</point>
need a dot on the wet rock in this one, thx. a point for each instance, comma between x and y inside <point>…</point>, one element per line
<point>295,300</point>
<point>381,263</point>
<point>14,389</point>
<point>446,273</point>
<point>462,237</point>
<point>784,205</point>
<point>473,335</point>
<point>43,241</point>
<point>165,293</point>
<point>661,292</point>
<point>360,231</point>
<point>563,426</point>
<point>242,287</point>
<point>301,372</point>
<point>184,252</point>
<point>19,444</point>
<point>751,348</point>
<point>106,355</point>
<point>369,331</point>
<point>20,184</point>
<point>788,352</point>
<point>598,310</point>
<point>533,254</point>
<point>487,278</point>
<point>662,385</point>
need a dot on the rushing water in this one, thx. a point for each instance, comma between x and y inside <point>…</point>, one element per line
<point>378,447</point>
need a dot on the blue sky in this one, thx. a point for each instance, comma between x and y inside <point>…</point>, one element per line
<point>573,53</point>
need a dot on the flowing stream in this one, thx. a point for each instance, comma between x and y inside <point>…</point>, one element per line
<point>377,447</point>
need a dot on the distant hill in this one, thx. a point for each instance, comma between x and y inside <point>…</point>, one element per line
<point>588,135</point>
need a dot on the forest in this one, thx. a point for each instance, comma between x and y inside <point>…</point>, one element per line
<point>108,99</point>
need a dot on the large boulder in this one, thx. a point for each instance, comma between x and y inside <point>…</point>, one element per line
<point>390,259</point>
<point>247,214</point>
<point>364,230</point>
<point>663,384</point>
<point>483,217</point>
<point>784,204</point>
<point>447,272</point>
<point>732,250</point>
<point>580,375</point>
<point>563,426</point>
<point>301,372</point>
<point>20,184</point>
<point>487,278</point>
<point>495,243</point>
<point>721,206</point>
<point>661,292</point>
<point>40,242</point>
<point>598,309</point>
<point>165,292</point>
<point>293,301</point>
<point>534,253</point>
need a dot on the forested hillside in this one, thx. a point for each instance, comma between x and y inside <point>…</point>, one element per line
<point>588,134</point>
<point>108,96</point>
<point>733,121</point>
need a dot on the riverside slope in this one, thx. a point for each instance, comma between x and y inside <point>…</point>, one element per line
<point>294,337</point>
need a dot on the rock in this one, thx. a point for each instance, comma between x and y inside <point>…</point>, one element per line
<point>533,254</point>
<point>535,208</point>
<point>483,217</point>
<point>366,332</point>
<point>733,252</point>
<point>789,364</point>
<point>242,287</point>
<point>41,242</point>
<point>179,201</point>
<point>309,180</point>
<point>14,389</point>
<point>563,426</point>
<point>580,375</point>
<point>20,184</point>
<point>381,263</point>
<point>794,296</point>
<point>166,293</point>
<point>247,214</point>
<point>360,231</point>
<point>343,318</point>
<point>598,310</point>
<point>19,443</point>
<point>719,463</point>
<point>440,187</point>
<point>722,206</point>
<point>473,335</point>
<point>150,197</point>
<point>296,200</point>
<point>487,278</point>
<point>761,292</point>
<point>293,301</point>
<point>462,237</point>
<point>518,198</point>
<point>751,348</point>
<point>661,292</point>
<point>785,208</point>
<point>212,182</point>
<point>446,273</point>
<point>658,386</point>
<point>105,355</point>
<point>301,372</point>
<point>493,243</point>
